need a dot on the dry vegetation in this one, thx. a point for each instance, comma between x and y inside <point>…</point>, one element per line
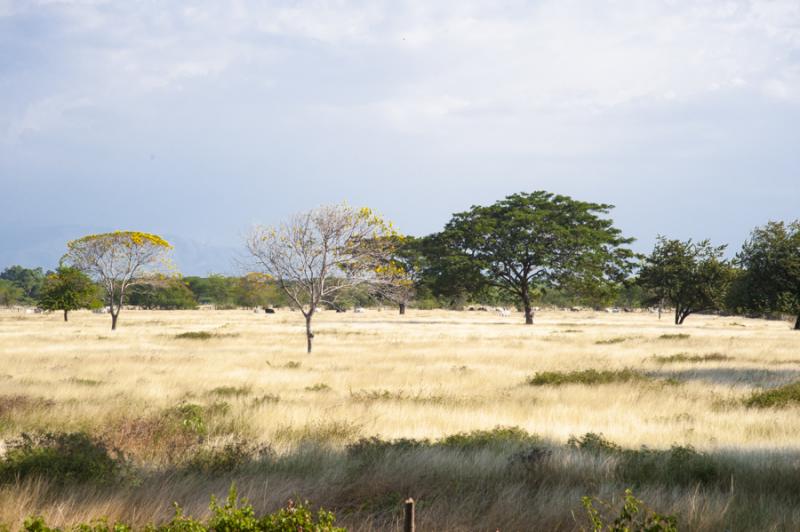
<point>198,399</point>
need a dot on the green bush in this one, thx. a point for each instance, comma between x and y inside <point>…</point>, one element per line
<point>777,397</point>
<point>634,516</point>
<point>232,516</point>
<point>62,458</point>
<point>685,357</point>
<point>587,376</point>
<point>501,437</point>
<point>233,456</point>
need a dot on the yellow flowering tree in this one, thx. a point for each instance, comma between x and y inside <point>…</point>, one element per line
<point>119,260</point>
<point>317,255</point>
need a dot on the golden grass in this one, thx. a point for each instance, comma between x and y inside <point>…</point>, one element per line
<point>427,374</point>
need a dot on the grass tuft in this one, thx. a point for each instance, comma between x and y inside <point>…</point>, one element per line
<point>776,397</point>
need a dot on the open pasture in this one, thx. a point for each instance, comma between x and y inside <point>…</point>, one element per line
<point>198,399</point>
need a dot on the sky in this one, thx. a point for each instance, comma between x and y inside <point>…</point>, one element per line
<point>201,119</point>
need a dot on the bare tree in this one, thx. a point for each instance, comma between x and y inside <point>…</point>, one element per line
<point>315,256</point>
<point>118,260</point>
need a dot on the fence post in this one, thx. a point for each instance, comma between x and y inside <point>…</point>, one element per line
<point>408,524</point>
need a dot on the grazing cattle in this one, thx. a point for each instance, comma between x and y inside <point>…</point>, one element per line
<point>503,312</point>
<point>358,310</point>
<point>269,310</point>
<point>338,310</point>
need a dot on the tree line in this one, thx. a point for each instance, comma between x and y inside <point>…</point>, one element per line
<point>524,250</point>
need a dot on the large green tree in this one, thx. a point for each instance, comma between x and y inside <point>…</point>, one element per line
<point>529,241</point>
<point>770,260</point>
<point>692,276</point>
<point>68,289</point>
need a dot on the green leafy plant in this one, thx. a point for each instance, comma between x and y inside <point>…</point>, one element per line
<point>634,516</point>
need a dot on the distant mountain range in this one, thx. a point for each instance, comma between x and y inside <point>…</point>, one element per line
<point>44,246</point>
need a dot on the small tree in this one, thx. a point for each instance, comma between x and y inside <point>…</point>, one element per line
<point>692,276</point>
<point>397,278</point>
<point>118,260</point>
<point>771,262</point>
<point>317,255</point>
<point>526,242</point>
<point>68,289</point>
<point>10,293</point>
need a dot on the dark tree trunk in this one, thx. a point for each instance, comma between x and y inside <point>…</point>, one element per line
<point>660,306</point>
<point>402,308</point>
<point>681,314</point>
<point>309,334</point>
<point>65,314</point>
<point>677,314</point>
<point>797,323</point>
<point>526,303</point>
<point>114,316</point>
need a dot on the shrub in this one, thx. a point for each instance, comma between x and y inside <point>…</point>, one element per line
<point>686,357</point>
<point>683,466</point>
<point>594,443</point>
<point>62,458</point>
<point>494,438</point>
<point>634,516</point>
<point>231,457</point>
<point>319,387</point>
<point>678,336</point>
<point>194,335</point>
<point>231,391</point>
<point>232,516</point>
<point>587,376</point>
<point>777,397</point>
<point>617,340</point>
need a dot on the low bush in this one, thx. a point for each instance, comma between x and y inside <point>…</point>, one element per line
<point>232,516</point>
<point>498,437</point>
<point>676,336</point>
<point>233,456</point>
<point>634,516</point>
<point>195,335</point>
<point>587,376</point>
<point>686,357</point>
<point>61,458</point>
<point>776,397</point>
<point>231,391</point>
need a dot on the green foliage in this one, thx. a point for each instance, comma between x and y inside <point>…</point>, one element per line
<point>771,277</point>
<point>194,335</point>
<point>233,515</point>
<point>62,458</point>
<point>686,357</point>
<point>692,276</point>
<point>634,516</point>
<point>68,289</point>
<point>10,293</point>
<point>498,437</point>
<point>675,336</point>
<point>27,280</point>
<point>232,391</point>
<point>775,398</point>
<point>535,240</point>
<point>587,376</point>
<point>171,294</point>
<point>233,456</point>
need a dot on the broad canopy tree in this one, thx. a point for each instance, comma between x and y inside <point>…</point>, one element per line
<point>532,241</point>
<point>771,263</point>
<point>317,255</point>
<point>693,276</point>
<point>68,289</point>
<point>119,260</point>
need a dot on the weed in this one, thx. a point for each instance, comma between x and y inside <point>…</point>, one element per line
<point>676,336</point>
<point>775,398</point>
<point>319,387</point>
<point>686,357</point>
<point>231,391</point>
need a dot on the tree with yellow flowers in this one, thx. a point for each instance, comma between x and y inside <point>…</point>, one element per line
<point>316,256</point>
<point>119,260</point>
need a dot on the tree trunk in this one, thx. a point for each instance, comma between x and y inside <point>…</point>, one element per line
<point>526,302</point>
<point>402,308</point>
<point>65,314</point>
<point>309,334</point>
<point>677,314</point>
<point>797,323</point>
<point>114,316</point>
<point>660,306</point>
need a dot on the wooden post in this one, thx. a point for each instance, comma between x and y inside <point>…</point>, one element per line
<point>409,525</point>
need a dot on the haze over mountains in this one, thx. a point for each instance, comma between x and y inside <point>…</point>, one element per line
<point>32,246</point>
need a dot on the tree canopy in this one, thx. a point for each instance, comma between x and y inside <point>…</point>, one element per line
<point>532,241</point>
<point>770,260</point>
<point>68,289</point>
<point>118,260</point>
<point>318,255</point>
<point>692,276</point>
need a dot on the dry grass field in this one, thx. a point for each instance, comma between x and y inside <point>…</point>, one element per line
<point>244,403</point>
